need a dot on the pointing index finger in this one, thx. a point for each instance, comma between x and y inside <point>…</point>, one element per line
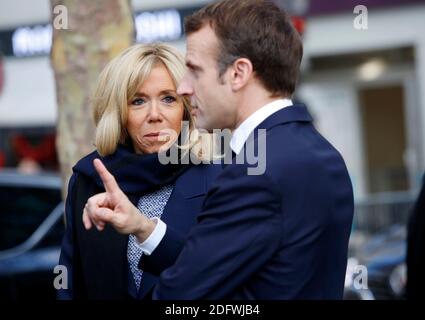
<point>108,179</point>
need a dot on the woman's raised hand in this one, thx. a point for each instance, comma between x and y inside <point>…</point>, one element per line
<point>114,207</point>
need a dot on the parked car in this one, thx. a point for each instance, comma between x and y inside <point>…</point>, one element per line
<point>31,231</point>
<point>383,257</point>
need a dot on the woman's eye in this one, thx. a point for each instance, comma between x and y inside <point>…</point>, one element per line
<point>169,99</point>
<point>137,102</point>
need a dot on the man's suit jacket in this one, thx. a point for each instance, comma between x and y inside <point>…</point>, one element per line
<point>280,235</point>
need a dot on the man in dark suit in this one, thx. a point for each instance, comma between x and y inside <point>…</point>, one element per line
<point>416,249</point>
<point>278,233</point>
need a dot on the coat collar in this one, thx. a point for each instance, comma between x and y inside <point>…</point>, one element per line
<point>296,113</point>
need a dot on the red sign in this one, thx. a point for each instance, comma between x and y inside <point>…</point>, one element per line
<point>299,24</point>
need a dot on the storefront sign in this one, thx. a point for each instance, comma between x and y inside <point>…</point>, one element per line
<point>151,26</point>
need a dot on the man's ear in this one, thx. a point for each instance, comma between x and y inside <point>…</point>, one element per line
<point>241,73</point>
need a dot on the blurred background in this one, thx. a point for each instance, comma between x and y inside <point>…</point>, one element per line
<point>363,79</point>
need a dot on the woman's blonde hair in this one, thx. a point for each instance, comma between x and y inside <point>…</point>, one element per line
<point>118,84</point>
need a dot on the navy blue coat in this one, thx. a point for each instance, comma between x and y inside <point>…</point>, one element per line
<point>280,235</point>
<point>97,261</point>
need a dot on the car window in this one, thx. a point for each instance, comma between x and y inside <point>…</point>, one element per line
<point>22,210</point>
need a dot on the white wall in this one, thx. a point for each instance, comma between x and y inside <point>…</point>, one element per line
<point>332,98</point>
<point>17,13</point>
<point>387,28</point>
<point>28,97</point>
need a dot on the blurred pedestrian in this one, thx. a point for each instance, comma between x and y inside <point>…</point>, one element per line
<point>416,250</point>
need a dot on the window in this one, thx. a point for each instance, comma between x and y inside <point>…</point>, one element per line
<point>22,210</point>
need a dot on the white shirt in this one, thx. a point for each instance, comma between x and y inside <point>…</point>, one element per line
<point>152,242</point>
<point>241,134</point>
<point>239,137</point>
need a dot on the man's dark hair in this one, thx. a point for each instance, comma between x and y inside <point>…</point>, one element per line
<point>259,31</point>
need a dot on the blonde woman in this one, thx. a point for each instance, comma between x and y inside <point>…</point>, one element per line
<point>136,110</point>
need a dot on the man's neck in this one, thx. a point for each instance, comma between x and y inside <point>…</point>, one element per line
<point>253,101</point>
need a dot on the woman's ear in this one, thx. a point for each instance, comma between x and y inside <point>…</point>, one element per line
<point>241,73</point>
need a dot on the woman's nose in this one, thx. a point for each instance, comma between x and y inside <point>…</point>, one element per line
<point>154,112</point>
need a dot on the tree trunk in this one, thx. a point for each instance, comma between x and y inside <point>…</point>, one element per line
<point>97,31</point>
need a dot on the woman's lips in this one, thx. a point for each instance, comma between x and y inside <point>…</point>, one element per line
<point>152,134</point>
<point>161,136</point>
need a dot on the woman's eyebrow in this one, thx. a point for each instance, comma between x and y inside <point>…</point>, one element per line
<point>139,94</point>
<point>162,92</point>
<point>168,91</point>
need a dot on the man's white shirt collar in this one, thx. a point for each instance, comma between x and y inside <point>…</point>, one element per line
<point>241,134</point>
